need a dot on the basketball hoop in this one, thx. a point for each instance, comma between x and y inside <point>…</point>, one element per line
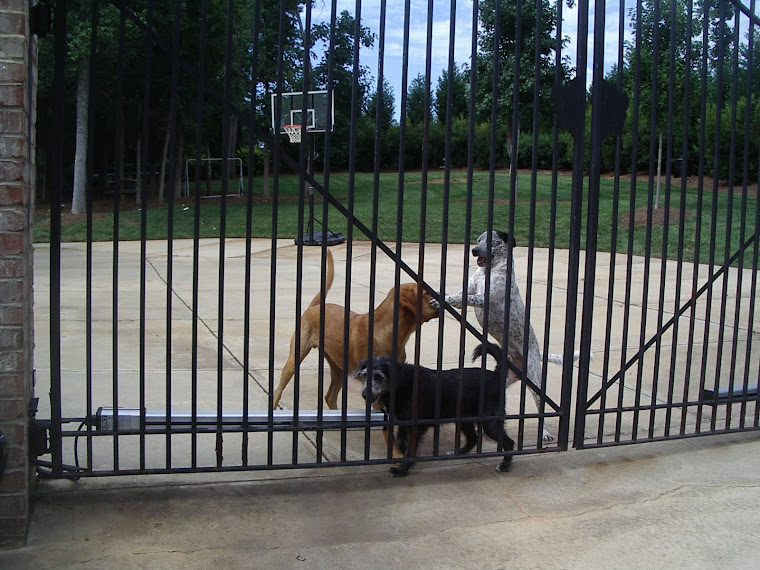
<point>294,132</point>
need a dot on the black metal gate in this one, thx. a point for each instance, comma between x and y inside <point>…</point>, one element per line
<point>632,196</point>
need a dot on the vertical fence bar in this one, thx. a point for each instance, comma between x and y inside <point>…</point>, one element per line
<point>592,223</point>
<point>745,190</point>
<point>727,247</point>
<point>172,134</point>
<point>144,147</point>
<point>118,167</point>
<point>682,218</point>
<point>714,216</point>
<point>399,215</point>
<point>56,441</point>
<point>423,210</point>
<point>379,126</point>
<point>559,78</point>
<point>275,199</point>
<point>574,245</point>
<point>514,138</point>
<point>467,221</point>
<point>252,124</point>
<point>631,225</point>
<point>533,197</point>
<point>325,209</point>
<point>199,117</point>
<point>451,69</point>
<point>220,349</point>
<point>664,257</point>
<point>698,228</point>
<point>350,218</point>
<point>613,236</point>
<point>94,17</point>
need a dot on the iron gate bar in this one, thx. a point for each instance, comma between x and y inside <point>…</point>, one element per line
<point>533,197</point>
<point>714,210</point>
<point>558,78</point>
<point>248,230</point>
<point>89,199</point>
<point>276,151</point>
<point>613,232</point>
<point>730,207</point>
<point>326,184</point>
<point>682,213</point>
<point>445,225</point>
<point>574,241</point>
<point>199,116</point>
<point>753,284</point>
<point>119,185</point>
<point>592,222</point>
<point>56,442</point>
<point>148,57</point>
<point>666,227</point>
<point>700,195</point>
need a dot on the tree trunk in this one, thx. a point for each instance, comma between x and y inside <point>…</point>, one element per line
<point>79,198</point>
<point>162,175</point>
<point>512,153</point>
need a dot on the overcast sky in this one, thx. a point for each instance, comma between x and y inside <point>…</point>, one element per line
<point>394,36</point>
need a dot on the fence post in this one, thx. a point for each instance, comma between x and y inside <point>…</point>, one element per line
<point>17,93</point>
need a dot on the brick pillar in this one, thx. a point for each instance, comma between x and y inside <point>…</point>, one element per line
<point>17,87</point>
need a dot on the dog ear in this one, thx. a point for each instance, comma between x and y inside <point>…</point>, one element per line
<point>506,238</point>
<point>361,369</point>
<point>408,300</point>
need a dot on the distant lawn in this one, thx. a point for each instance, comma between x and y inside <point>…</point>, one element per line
<point>74,228</point>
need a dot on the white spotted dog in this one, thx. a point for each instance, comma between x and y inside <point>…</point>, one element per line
<point>501,248</point>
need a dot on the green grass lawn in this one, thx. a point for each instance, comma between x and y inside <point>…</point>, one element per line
<point>382,202</point>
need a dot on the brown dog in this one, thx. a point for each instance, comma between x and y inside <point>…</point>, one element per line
<point>358,334</point>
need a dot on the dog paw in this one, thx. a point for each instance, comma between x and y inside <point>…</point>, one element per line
<point>547,436</point>
<point>504,466</point>
<point>397,472</point>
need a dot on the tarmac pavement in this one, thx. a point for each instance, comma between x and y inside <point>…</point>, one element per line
<point>685,504</point>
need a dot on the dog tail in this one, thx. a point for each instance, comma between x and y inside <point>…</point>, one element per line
<point>559,359</point>
<point>328,281</point>
<point>488,348</point>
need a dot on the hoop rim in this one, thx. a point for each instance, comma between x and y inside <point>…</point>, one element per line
<point>294,131</point>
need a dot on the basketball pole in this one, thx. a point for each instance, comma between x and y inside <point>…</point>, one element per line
<point>311,237</point>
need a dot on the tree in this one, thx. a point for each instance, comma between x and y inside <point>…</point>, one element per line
<point>532,31</point>
<point>387,106</point>
<point>343,77</point>
<point>415,101</point>
<point>460,105</point>
<point>80,32</point>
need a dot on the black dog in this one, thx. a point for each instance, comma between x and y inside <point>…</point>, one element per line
<point>378,390</point>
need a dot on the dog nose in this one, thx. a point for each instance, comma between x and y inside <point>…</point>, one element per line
<point>475,251</point>
<point>364,393</point>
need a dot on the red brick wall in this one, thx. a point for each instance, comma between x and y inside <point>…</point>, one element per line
<point>16,330</point>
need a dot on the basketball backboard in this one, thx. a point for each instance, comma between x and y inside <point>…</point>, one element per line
<point>319,111</point>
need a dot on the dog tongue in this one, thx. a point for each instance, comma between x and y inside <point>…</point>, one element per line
<point>481,261</point>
